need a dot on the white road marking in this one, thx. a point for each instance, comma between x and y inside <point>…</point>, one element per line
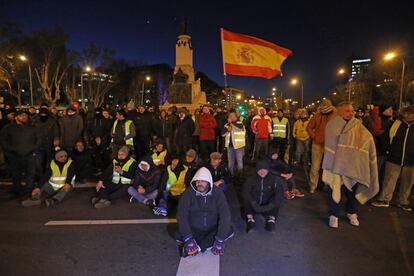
<point>109,222</point>
<point>203,264</point>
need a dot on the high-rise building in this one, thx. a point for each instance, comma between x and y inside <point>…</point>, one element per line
<point>359,66</point>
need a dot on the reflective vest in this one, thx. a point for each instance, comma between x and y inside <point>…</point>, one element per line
<point>239,138</point>
<point>58,178</point>
<point>174,185</point>
<point>116,177</point>
<point>280,127</point>
<point>130,141</point>
<point>157,158</point>
<point>393,129</point>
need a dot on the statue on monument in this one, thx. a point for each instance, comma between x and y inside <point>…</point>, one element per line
<point>180,90</point>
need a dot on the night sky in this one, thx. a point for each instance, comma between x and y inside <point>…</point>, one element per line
<point>322,36</point>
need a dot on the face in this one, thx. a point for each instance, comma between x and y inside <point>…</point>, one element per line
<point>80,146</point>
<point>163,114</point>
<point>22,118</point>
<point>105,114</point>
<point>53,110</point>
<point>159,147</point>
<point>201,186</point>
<point>144,167</point>
<point>409,118</point>
<point>275,156</point>
<point>232,117</point>
<point>181,115</point>
<point>141,109</point>
<point>122,155</point>
<point>98,140</point>
<point>296,116</point>
<point>174,163</point>
<point>346,111</point>
<point>32,110</point>
<point>189,159</point>
<point>62,158</point>
<point>206,110</point>
<point>262,172</point>
<point>280,114</point>
<point>388,112</point>
<point>360,114</point>
<point>119,117</point>
<point>215,162</point>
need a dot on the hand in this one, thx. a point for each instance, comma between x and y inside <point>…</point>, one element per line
<point>118,169</point>
<point>35,192</point>
<point>99,185</point>
<point>218,183</point>
<point>141,190</point>
<point>218,247</point>
<point>287,176</point>
<point>191,247</point>
<point>66,187</point>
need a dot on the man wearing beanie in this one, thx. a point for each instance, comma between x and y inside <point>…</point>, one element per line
<point>263,194</point>
<point>55,184</point>
<point>316,129</point>
<point>400,162</point>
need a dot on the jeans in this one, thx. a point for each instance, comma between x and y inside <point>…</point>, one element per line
<point>142,197</point>
<point>47,191</point>
<point>302,150</point>
<point>22,164</point>
<point>280,144</point>
<point>234,155</point>
<point>206,147</point>
<point>351,206</point>
<point>259,144</point>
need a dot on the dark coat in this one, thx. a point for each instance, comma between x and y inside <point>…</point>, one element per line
<point>19,139</point>
<point>401,150</point>
<point>185,130</point>
<point>219,173</point>
<point>47,130</point>
<point>149,180</point>
<point>71,130</point>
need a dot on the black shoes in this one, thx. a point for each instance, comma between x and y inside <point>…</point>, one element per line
<point>271,224</point>
<point>251,224</point>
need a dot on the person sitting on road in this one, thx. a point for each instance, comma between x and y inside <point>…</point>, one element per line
<point>219,171</point>
<point>56,183</point>
<point>193,162</point>
<point>282,171</point>
<point>159,154</point>
<point>115,180</point>
<point>204,218</point>
<point>262,193</point>
<point>172,186</point>
<point>82,158</point>
<point>146,182</point>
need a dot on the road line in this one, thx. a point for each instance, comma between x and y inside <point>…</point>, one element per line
<point>109,222</point>
<point>402,242</point>
<point>203,264</point>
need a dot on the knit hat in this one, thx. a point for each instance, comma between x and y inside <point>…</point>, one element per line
<point>215,155</point>
<point>262,164</point>
<point>384,107</point>
<point>121,112</point>
<point>191,153</point>
<point>60,153</point>
<point>43,111</point>
<point>360,109</point>
<point>21,111</point>
<point>326,107</point>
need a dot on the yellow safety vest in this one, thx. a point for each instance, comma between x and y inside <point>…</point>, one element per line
<point>393,129</point>
<point>280,127</point>
<point>116,177</point>
<point>239,138</point>
<point>157,158</point>
<point>174,185</point>
<point>130,141</point>
<point>58,178</point>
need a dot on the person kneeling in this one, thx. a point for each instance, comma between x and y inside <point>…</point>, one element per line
<point>146,182</point>
<point>57,182</point>
<point>116,179</point>
<point>204,218</point>
<point>262,193</point>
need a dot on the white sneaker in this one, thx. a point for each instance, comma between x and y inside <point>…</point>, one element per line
<point>353,219</point>
<point>333,222</point>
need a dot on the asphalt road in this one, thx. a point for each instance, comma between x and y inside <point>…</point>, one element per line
<point>303,244</point>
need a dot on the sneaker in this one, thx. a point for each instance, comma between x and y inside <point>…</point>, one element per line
<point>150,202</point>
<point>50,202</point>
<point>380,203</point>
<point>131,199</point>
<point>251,224</point>
<point>297,193</point>
<point>160,211</point>
<point>31,202</point>
<point>271,224</point>
<point>333,222</point>
<point>353,219</point>
<point>102,203</point>
<point>405,207</point>
<point>288,195</point>
<point>312,190</point>
<point>94,200</point>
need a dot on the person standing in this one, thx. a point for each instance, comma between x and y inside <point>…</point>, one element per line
<point>162,128</point>
<point>261,126</point>
<point>71,129</point>
<point>143,128</point>
<point>184,133</point>
<point>235,142</point>
<point>346,140</point>
<point>207,125</point>
<point>100,127</point>
<point>20,140</point>
<point>302,138</point>
<point>400,162</point>
<point>316,130</point>
<point>281,133</point>
<point>123,132</point>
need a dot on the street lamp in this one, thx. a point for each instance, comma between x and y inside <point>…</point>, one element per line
<point>87,69</point>
<point>24,58</point>
<point>238,97</point>
<point>390,56</point>
<point>147,78</point>
<point>295,81</point>
<point>341,71</point>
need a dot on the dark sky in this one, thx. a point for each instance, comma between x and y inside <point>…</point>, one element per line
<point>322,36</point>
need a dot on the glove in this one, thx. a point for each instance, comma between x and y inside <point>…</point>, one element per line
<point>218,247</point>
<point>191,247</point>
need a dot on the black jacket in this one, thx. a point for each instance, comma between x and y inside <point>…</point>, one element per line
<point>219,173</point>
<point>98,126</point>
<point>144,125</point>
<point>19,139</point>
<point>149,180</point>
<point>278,166</point>
<point>199,212</point>
<point>47,130</point>
<point>401,150</point>
<point>185,130</point>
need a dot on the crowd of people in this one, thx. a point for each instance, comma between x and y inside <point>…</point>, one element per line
<point>184,163</point>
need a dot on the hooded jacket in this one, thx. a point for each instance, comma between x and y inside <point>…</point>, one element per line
<point>219,173</point>
<point>207,125</point>
<point>204,212</point>
<point>261,125</point>
<point>71,130</point>
<point>317,124</point>
<point>277,166</point>
<point>263,194</point>
<point>401,149</point>
<point>149,180</point>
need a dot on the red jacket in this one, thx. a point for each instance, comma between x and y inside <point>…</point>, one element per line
<point>261,126</point>
<point>207,124</point>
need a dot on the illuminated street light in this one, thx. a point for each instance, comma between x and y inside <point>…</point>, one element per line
<point>341,71</point>
<point>274,89</point>
<point>389,56</point>
<point>295,81</point>
<point>334,93</point>
<point>238,97</point>
<point>147,78</point>
<point>24,58</point>
<point>88,69</point>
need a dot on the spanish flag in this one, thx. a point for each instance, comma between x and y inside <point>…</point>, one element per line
<point>245,55</point>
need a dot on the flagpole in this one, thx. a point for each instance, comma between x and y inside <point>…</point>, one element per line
<point>222,55</point>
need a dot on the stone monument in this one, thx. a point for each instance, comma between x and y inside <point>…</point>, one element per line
<point>185,90</point>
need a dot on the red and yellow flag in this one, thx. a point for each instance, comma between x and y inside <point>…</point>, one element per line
<point>245,55</point>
